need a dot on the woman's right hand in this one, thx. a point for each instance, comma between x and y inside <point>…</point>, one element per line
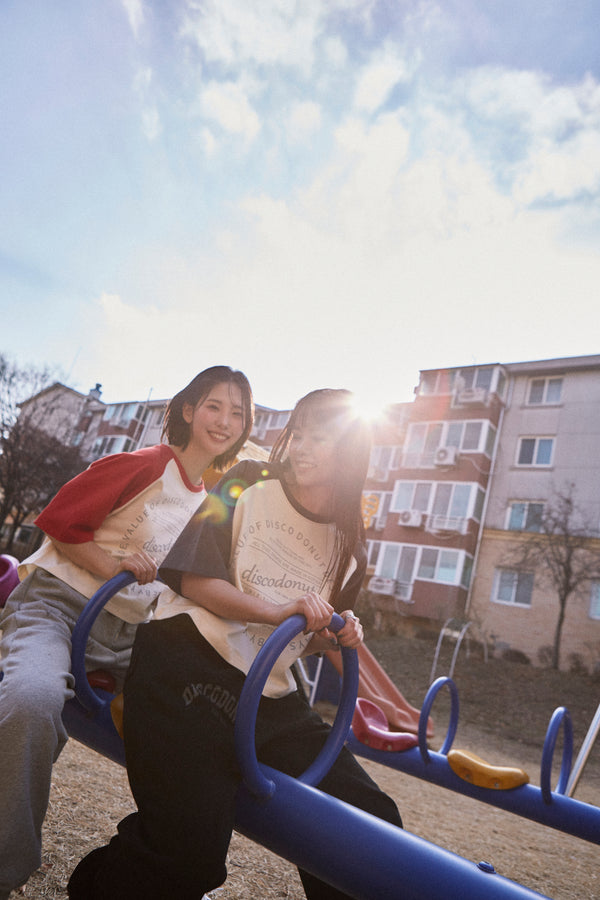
<point>313,607</point>
<point>140,564</point>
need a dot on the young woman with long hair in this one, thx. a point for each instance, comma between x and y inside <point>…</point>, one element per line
<point>271,541</point>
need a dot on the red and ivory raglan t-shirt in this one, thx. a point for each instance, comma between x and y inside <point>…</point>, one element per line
<point>125,502</point>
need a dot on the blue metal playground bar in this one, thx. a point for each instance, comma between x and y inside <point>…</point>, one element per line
<point>540,804</point>
<point>351,850</point>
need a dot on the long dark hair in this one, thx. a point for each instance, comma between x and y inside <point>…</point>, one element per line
<point>334,409</point>
<point>177,431</point>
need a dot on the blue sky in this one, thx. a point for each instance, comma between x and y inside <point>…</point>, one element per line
<point>321,193</point>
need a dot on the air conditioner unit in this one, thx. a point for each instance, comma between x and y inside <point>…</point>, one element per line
<point>446,456</point>
<point>378,585</point>
<point>475,396</point>
<point>410,518</point>
<point>403,591</point>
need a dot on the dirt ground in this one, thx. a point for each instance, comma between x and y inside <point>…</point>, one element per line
<point>90,794</point>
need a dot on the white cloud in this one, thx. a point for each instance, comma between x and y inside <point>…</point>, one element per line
<point>304,120</point>
<point>135,15</point>
<point>562,172</point>
<point>151,124</point>
<point>531,101</point>
<point>265,32</point>
<point>377,80</point>
<point>227,104</point>
<point>209,142</point>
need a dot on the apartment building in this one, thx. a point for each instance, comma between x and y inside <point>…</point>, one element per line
<point>424,535</point>
<point>482,452</point>
<point>99,428</point>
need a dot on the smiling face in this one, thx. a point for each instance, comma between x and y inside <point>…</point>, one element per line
<point>216,422</point>
<point>312,461</point>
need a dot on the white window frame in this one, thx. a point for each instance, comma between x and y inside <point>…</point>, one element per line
<point>546,382</point>
<point>536,438</point>
<point>384,458</point>
<point>461,557</point>
<point>397,506</point>
<point>498,573</point>
<point>424,458</point>
<point>373,550</point>
<point>526,504</point>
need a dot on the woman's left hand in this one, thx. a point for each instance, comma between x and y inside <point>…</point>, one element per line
<point>351,635</point>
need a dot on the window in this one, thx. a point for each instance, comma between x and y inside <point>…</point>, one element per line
<point>278,419</point>
<point>405,562</point>
<point>437,382</point>
<point>544,390</point>
<point>535,451</point>
<point>438,565</point>
<point>375,508</point>
<point>382,460</point>
<point>455,501</point>
<point>411,495</point>
<point>524,515</point>
<point>424,438</point>
<point>467,572</point>
<point>373,548</point>
<point>595,600</point>
<point>120,444</point>
<point>476,378</point>
<point>512,587</point>
<point>451,499</point>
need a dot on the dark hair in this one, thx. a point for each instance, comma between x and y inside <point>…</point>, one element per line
<point>177,430</point>
<point>335,409</point>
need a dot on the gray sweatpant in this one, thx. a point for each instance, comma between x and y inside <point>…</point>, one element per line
<point>35,651</point>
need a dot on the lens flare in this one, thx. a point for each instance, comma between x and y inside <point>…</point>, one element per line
<point>213,510</point>
<point>232,491</point>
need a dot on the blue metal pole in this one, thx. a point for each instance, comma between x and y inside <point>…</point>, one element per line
<point>563,813</point>
<point>364,857</point>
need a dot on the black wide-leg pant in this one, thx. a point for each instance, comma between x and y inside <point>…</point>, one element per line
<point>180,704</point>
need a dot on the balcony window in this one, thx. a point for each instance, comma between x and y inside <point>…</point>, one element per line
<point>424,438</point>
<point>383,458</point>
<point>513,588</point>
<point>535,451</point>
<point>454,501</point>
<point>476,378</point>
<point>437,382</point>
<point>373,548</point>
<point>404,562</point>
<point>411,495</point>
<point>438,565</point>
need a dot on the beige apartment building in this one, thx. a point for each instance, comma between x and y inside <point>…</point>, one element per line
<point>548,447</point>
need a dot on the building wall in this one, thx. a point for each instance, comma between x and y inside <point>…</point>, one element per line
<point>531,630</point>
<point>573,422</point>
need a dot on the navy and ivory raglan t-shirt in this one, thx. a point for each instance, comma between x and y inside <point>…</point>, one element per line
<point>251,532</point>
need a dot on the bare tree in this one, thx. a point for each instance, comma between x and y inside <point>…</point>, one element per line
<point>34,463</point>
<point>562,552</point>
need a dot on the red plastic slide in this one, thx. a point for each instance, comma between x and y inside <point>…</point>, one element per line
<point>376,686</point>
